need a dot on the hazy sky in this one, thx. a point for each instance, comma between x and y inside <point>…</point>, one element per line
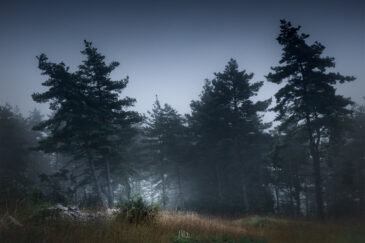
<point>168,48</point>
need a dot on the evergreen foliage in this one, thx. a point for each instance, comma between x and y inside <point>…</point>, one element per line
<point>308,97</point>
<point>226,127</point>
<point>90,121</point>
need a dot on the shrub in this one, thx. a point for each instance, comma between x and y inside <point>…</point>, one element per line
<point>137,211</point>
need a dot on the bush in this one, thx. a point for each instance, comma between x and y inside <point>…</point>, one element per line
<point>137,211</point>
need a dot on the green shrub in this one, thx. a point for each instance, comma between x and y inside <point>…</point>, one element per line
<point>137,211</point>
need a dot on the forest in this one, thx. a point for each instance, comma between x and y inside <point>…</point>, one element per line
<point>95,152</point>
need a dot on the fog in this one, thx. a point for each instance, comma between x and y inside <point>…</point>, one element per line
<point>159,109</point>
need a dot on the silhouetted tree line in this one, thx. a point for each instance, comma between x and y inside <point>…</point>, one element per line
<point>221,158</point>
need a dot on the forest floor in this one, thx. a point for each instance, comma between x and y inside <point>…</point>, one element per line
<point>177,227</point>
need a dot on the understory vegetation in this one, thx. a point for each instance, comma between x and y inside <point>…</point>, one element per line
<point>178,227</point>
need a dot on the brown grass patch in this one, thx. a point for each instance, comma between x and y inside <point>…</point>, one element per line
<point>192,222</point>
<point>278,230</point>
<point>168,224</point>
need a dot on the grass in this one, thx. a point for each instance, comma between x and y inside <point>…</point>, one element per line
<point>178,227</point>
<point>305,231</point>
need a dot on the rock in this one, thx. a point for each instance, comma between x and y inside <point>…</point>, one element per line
<point>60,207</point>
<point>74,213</point>
<point>111,211</point>
<point>71,212</point>
<point>14,221</point>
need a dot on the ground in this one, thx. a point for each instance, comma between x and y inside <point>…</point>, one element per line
<point>178,227</point>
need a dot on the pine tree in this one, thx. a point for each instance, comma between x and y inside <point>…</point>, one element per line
<point>358,152</point>
<point>226,122</point>
<point>14,150</point>
<point>165,134</point>
<point>90,121</point>
<point>19,164</point>
<point>308,97</point>
<point>110,119</point>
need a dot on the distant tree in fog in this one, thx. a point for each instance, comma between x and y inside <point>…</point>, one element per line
<point>165,135</point>
<point>14,150</point>
<point>19,165</point>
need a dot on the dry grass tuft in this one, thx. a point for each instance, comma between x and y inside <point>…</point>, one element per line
<point>192,222</point>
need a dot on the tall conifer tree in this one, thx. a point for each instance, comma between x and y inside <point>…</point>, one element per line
<point>308,97</point>
<point>226,122</point>
<point>90,121</point>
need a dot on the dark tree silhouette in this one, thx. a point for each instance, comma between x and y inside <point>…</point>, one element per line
<point>89,118</point>
<point>308,97</point>
<point>227,126</point>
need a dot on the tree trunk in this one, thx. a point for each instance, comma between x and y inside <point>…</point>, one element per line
<point>307,210</point>
<point>316,169</point>
<point>276,188</point>
<point>361,172</point>
<point>128,188</point>
<point>314,151</point>
<point>291,201</point>
<point>297,190</point>
<point>318,185</point>
<point>297,201</point>
<point>109,184</point>
<point>218,183</point>
<point>57,160</point>
<point>180,196</point>
<point>163,182</point>
<point>164,196</point>
<point>291,186</point>
<point>96,182</point>
<point>245,197</point>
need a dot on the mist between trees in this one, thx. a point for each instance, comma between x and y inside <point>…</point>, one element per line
<point>94,150</point>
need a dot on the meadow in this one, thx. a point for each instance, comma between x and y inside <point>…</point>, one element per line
<point>27,225</point>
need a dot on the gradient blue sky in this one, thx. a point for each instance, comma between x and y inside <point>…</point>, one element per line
<point>168,48</point>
